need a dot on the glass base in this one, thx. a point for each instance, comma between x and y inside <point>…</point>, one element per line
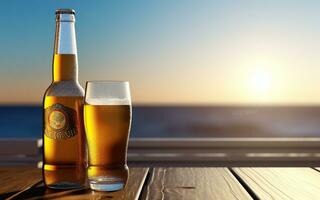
<point>107,179</point>
<point>65,186</point>
<point>106,183</point>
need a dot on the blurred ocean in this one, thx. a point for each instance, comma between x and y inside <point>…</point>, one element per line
<point>173,121</point>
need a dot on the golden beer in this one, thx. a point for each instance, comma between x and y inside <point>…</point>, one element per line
<point>107,131</point>
<point>65,158</point>
<point>63,137</point>
<point>65,67</point>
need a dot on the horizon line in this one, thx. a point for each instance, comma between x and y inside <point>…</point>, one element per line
<point>158,104</point>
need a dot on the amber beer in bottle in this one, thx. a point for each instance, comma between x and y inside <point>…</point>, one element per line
<point>63,138</point>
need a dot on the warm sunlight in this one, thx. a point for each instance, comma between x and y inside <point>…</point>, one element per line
<point>260,84</point>
<point>260,81</point>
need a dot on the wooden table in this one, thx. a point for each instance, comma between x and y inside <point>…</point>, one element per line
<point>177,183</point>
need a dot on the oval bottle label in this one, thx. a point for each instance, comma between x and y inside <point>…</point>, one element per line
<point>60,122</point>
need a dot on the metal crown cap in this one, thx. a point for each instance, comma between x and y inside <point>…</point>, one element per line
<point>65,15</point>
<point>65,11</point>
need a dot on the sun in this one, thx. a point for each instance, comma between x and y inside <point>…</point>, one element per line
<point>260,81</point>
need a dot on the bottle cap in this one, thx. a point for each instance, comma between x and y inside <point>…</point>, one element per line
<point>65,11</point>
<point>65,15</point>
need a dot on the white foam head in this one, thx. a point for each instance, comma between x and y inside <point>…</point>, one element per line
<point>108,93</point>
<point>108,101</point>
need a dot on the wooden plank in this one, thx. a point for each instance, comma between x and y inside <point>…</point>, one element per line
<point>163,152</point>
<point>15,151</point>
<point>137,177</point>
<point>222,158</point>
<point>14,180</point>
<point>193,183</point>
<point>224,152</point>
<point>248,142</point>
<point>32,146</point>
<point>281,183</point>
<point>22,147</point>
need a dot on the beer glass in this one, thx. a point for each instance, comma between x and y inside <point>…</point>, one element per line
<point>107,120</point>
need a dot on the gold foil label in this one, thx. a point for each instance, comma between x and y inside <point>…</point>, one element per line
<point>60,122</point>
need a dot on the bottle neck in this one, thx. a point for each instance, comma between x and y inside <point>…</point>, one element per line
<point>65,61</point>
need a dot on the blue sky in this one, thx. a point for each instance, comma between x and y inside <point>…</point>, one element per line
<point>188,52</point>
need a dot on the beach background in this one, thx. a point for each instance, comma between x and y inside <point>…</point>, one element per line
<point>196,68</point>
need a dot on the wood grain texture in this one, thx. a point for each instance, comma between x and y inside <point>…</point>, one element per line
<point>137,177</point>
<point>282,183</point>
<point>193,183</point>
<point>14,180</point>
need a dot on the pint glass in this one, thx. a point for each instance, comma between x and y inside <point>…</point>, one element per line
<point>107,119</point>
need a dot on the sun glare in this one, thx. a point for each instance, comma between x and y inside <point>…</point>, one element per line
<point>261,81</point>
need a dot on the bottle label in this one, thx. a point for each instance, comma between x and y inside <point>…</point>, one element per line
<point>60,122</point>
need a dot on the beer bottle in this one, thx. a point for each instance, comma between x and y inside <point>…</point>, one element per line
<point>63,137</point>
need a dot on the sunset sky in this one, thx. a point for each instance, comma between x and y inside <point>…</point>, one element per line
<point>171,51</point>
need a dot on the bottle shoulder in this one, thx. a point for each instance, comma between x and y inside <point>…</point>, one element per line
<point>65,88</point>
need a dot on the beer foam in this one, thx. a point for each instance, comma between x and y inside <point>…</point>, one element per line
<point>108,101</point>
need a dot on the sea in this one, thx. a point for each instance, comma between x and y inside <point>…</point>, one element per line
<point>187,121</point>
